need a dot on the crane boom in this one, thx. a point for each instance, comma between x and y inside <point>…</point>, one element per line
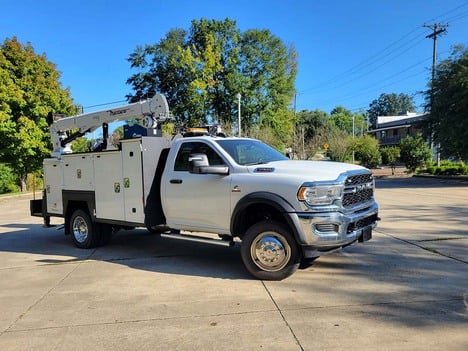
<point>147,113</point>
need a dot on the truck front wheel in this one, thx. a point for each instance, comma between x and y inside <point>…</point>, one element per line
<point>85,234</point>
<point>269,251</point>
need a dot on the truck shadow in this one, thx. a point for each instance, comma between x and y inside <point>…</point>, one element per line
<point>137,249</point>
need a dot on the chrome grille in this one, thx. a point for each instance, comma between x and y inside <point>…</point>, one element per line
<point>358,189</point>
<point>362,223</point>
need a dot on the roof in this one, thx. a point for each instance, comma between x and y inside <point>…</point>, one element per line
<point>399,121</point>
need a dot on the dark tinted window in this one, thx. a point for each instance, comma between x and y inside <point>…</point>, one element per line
<point>188,148</point>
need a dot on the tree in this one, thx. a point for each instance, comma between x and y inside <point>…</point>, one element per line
<point>390,156</point>
<point>414,152</point>
<point>313,122</point>
<point>7,180</point>
<point>340,146</point>
<point>81,144</point>
<point>29,90</point>
<point>202,70</point>
<point>389,105</point>
<point>447,100</point>
<point>343,119</point>
<point>367,152</point>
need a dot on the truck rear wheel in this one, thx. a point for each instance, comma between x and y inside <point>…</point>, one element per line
<point>85,234</point>
<point>269,251</point>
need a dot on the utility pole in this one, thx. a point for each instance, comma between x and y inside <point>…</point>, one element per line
<point>437,29</point>
<point>239,114</point>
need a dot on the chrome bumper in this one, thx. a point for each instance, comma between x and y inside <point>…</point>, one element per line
<point>329,230</point>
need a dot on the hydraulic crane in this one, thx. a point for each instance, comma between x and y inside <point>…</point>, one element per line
<point>150,114</point>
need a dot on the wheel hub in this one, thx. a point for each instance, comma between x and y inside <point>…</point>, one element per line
<point>270,253</point>
<point>80,230</point>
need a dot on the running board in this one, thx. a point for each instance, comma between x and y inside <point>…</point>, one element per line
<point>200,239</point>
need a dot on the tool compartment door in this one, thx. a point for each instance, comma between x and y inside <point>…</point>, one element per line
<point>132,181</point>
<point>108,186</point>
<point>53,179</point>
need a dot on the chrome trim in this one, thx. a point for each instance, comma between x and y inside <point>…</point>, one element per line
<point>337,205</point>
<point>341,220</point>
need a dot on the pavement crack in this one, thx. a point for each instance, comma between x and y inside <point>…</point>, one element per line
<point>41,298</point>
<point>438,239</point>
<point>282,316</point>
<point>416,243</point>
<point>141,320</point>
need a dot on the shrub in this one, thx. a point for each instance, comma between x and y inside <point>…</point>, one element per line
<point>445,168</point>
<point>7,180</point>
<point>366,150</point>
<point>390,155</point>
<point>414,152</point>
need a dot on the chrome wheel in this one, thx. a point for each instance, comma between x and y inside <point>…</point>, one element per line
<point>270,251</point>
<point>85,234</point>
<point>80,229</point>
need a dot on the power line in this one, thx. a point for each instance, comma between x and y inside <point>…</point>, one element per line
<point>366,63</point>
<point>349,75</point>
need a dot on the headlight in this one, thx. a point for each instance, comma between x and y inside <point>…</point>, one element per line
<point>320,195</point>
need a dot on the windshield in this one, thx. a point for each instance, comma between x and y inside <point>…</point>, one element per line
<point>250,152</point>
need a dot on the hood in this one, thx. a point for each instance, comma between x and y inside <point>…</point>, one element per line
<point>306,170</point>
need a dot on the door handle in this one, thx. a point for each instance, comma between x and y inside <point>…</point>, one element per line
<point>175,181</point>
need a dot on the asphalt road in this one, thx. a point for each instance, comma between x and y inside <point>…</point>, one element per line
<point>406,289</point>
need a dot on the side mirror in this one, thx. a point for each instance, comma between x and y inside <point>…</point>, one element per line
<point>199,164</point>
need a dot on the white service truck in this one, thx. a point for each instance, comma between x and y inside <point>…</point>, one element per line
<point>283,212</point>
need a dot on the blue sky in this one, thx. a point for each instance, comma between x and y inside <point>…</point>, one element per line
<point>349,52</point>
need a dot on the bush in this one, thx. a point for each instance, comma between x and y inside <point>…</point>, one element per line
<point>390,155</point>
<point>414,152</point>
<point>34,182</point>
<point>367,152</point>
<point>7,180</point>
<point>446,168</point>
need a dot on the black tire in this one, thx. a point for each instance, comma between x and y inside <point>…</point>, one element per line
<point>85,234</point>
<point>269,251</point>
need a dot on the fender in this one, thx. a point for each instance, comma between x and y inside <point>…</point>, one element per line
<point>277,202</point>
<point>70,197</point>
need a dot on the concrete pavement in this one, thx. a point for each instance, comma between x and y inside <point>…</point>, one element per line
<point>406,289</point>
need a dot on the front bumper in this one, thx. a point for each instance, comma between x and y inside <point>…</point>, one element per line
<point>331,230</point>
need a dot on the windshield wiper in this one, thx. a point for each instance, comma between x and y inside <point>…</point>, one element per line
<point>256,163</point>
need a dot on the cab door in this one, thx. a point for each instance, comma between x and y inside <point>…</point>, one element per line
<point>199,202</point>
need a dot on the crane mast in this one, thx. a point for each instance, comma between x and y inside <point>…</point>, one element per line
<point>150,114</point>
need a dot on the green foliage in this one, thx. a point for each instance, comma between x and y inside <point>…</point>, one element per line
<point>7,180</point>
<point>446,168</point>
<point>390,155</point>
<point>389,105</point>
<point>414,152</point>
<point>447,100</point>
<point>268,136</point>
<point>313,123</point>
<point>343,119</point>
<point>80,145</point>
<point>340,146</point>
<point>201,71</point>
<point>366,150</point>
<point>34,181</point>
<point>29,90</point>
